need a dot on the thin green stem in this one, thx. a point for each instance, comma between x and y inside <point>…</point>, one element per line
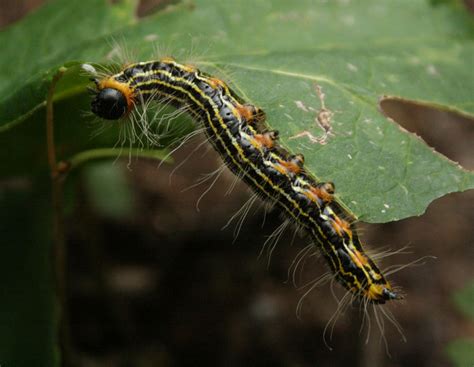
<point>59,248</point>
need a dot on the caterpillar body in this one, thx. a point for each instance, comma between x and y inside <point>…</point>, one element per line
<point>238,132</point>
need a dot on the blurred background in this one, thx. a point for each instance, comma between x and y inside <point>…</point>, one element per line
<point>152,281</point>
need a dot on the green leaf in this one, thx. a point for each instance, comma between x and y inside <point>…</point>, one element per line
<point>275,52</point>
<point>461,352</point>
<point>464,300</point>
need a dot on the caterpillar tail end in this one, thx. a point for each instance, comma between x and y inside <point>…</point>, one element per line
<point>379,294</point>
<point>391,295</point>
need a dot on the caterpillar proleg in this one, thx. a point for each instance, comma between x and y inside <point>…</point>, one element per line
<point>238,132</point>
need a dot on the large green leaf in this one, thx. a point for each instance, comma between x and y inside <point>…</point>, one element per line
<point>275,51</point>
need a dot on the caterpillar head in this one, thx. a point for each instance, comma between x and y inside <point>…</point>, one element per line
<point>113,99</point>
<point>109,104</point>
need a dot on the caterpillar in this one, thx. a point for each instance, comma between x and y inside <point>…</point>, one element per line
<point>238,132</point>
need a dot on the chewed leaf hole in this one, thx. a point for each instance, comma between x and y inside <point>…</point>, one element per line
<point>449,133</point>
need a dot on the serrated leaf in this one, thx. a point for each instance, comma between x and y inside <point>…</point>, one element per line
<point>276,51</point>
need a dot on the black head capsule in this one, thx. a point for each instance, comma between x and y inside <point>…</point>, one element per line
<point>109,104</point>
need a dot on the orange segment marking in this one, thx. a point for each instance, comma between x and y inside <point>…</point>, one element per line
<point>246,112</point>
<point>265,139</point>
<point>341,226</point>
<point>322,194</point>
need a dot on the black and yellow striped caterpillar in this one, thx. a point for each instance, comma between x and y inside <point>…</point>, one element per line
<point>238,132</point>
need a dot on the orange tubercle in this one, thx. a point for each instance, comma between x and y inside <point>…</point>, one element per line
<point>341,226</point>
<point>245,111</point>
<point>321,193</point>
<point>265,139</point>
<point>294,165</point>
<point>215,82</point>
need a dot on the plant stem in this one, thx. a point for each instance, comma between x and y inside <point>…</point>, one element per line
<point>59,249</point>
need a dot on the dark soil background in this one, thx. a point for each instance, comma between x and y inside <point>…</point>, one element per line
<point>168,287</point>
